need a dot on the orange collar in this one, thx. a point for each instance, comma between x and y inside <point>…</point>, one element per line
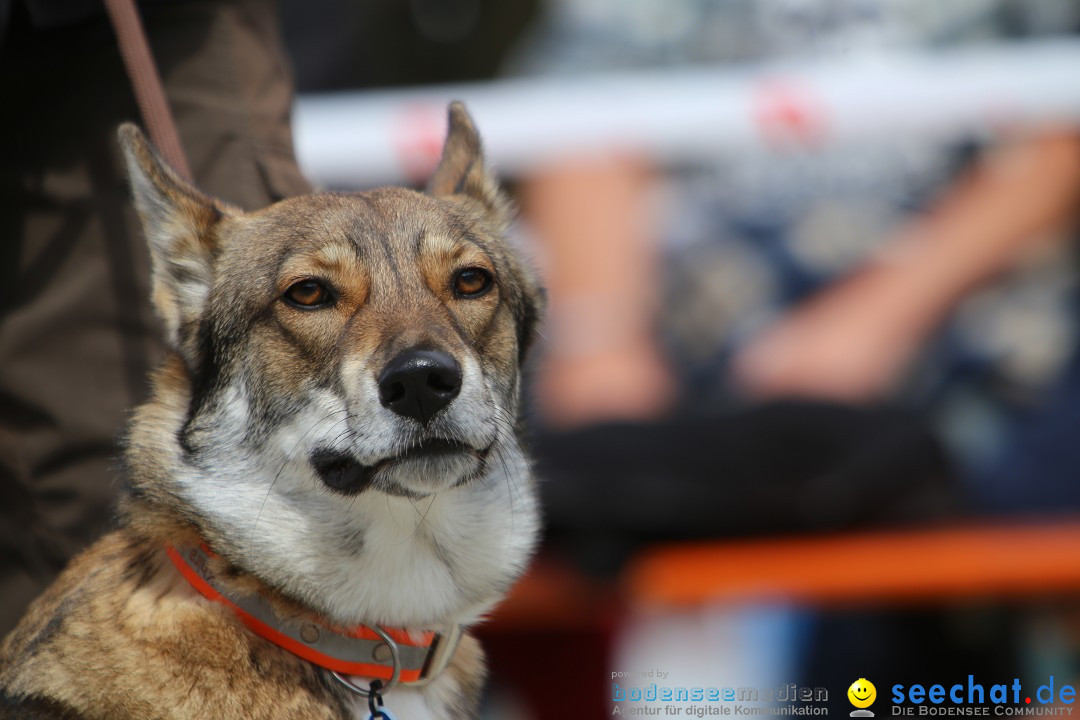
<point>389,654</point>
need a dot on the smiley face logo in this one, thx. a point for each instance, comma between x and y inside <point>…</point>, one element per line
<point>862,693</point>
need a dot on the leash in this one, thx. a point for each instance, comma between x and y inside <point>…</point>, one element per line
<point>146,83</point>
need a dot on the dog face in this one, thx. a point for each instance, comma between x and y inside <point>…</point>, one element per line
<point>339,415</point>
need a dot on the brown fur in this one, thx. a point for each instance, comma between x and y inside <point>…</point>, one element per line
<point>121,634</point>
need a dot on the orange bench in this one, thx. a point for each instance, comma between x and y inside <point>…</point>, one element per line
<point>909,565</point>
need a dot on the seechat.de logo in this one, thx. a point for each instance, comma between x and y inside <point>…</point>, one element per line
<point>862,695</point>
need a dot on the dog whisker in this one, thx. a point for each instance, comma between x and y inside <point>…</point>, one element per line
<point>285,462</point>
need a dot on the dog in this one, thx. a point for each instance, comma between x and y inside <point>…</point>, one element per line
<point>328,485</point>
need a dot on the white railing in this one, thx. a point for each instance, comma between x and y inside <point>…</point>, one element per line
<point>356,139</point>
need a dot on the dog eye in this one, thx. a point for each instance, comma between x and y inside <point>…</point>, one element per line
<point>472,282</point>
<point>308,294</point>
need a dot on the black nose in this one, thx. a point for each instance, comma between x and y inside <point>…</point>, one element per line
<point>419,383</point>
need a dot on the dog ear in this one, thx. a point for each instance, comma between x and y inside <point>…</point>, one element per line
<point>462,171</point>
<point>179,223</point>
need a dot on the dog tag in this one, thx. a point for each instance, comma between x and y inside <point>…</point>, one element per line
<point>375,703</point>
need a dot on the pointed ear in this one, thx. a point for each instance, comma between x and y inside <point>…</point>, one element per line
<point>462,171</point>
<point>180,227</point>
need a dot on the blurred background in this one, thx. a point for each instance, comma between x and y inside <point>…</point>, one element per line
<point>805,401</point>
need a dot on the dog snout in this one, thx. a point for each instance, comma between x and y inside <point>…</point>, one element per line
<point>419,383</point>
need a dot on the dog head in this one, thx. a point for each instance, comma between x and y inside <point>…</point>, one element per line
<point>338,415</point>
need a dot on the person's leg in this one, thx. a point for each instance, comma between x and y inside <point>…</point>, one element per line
<point>77,337</point>
<point>230,87</point>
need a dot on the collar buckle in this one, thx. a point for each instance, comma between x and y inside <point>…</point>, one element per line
<point>442,652</point>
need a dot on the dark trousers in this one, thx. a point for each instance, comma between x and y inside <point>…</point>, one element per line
<point>77,335</point>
